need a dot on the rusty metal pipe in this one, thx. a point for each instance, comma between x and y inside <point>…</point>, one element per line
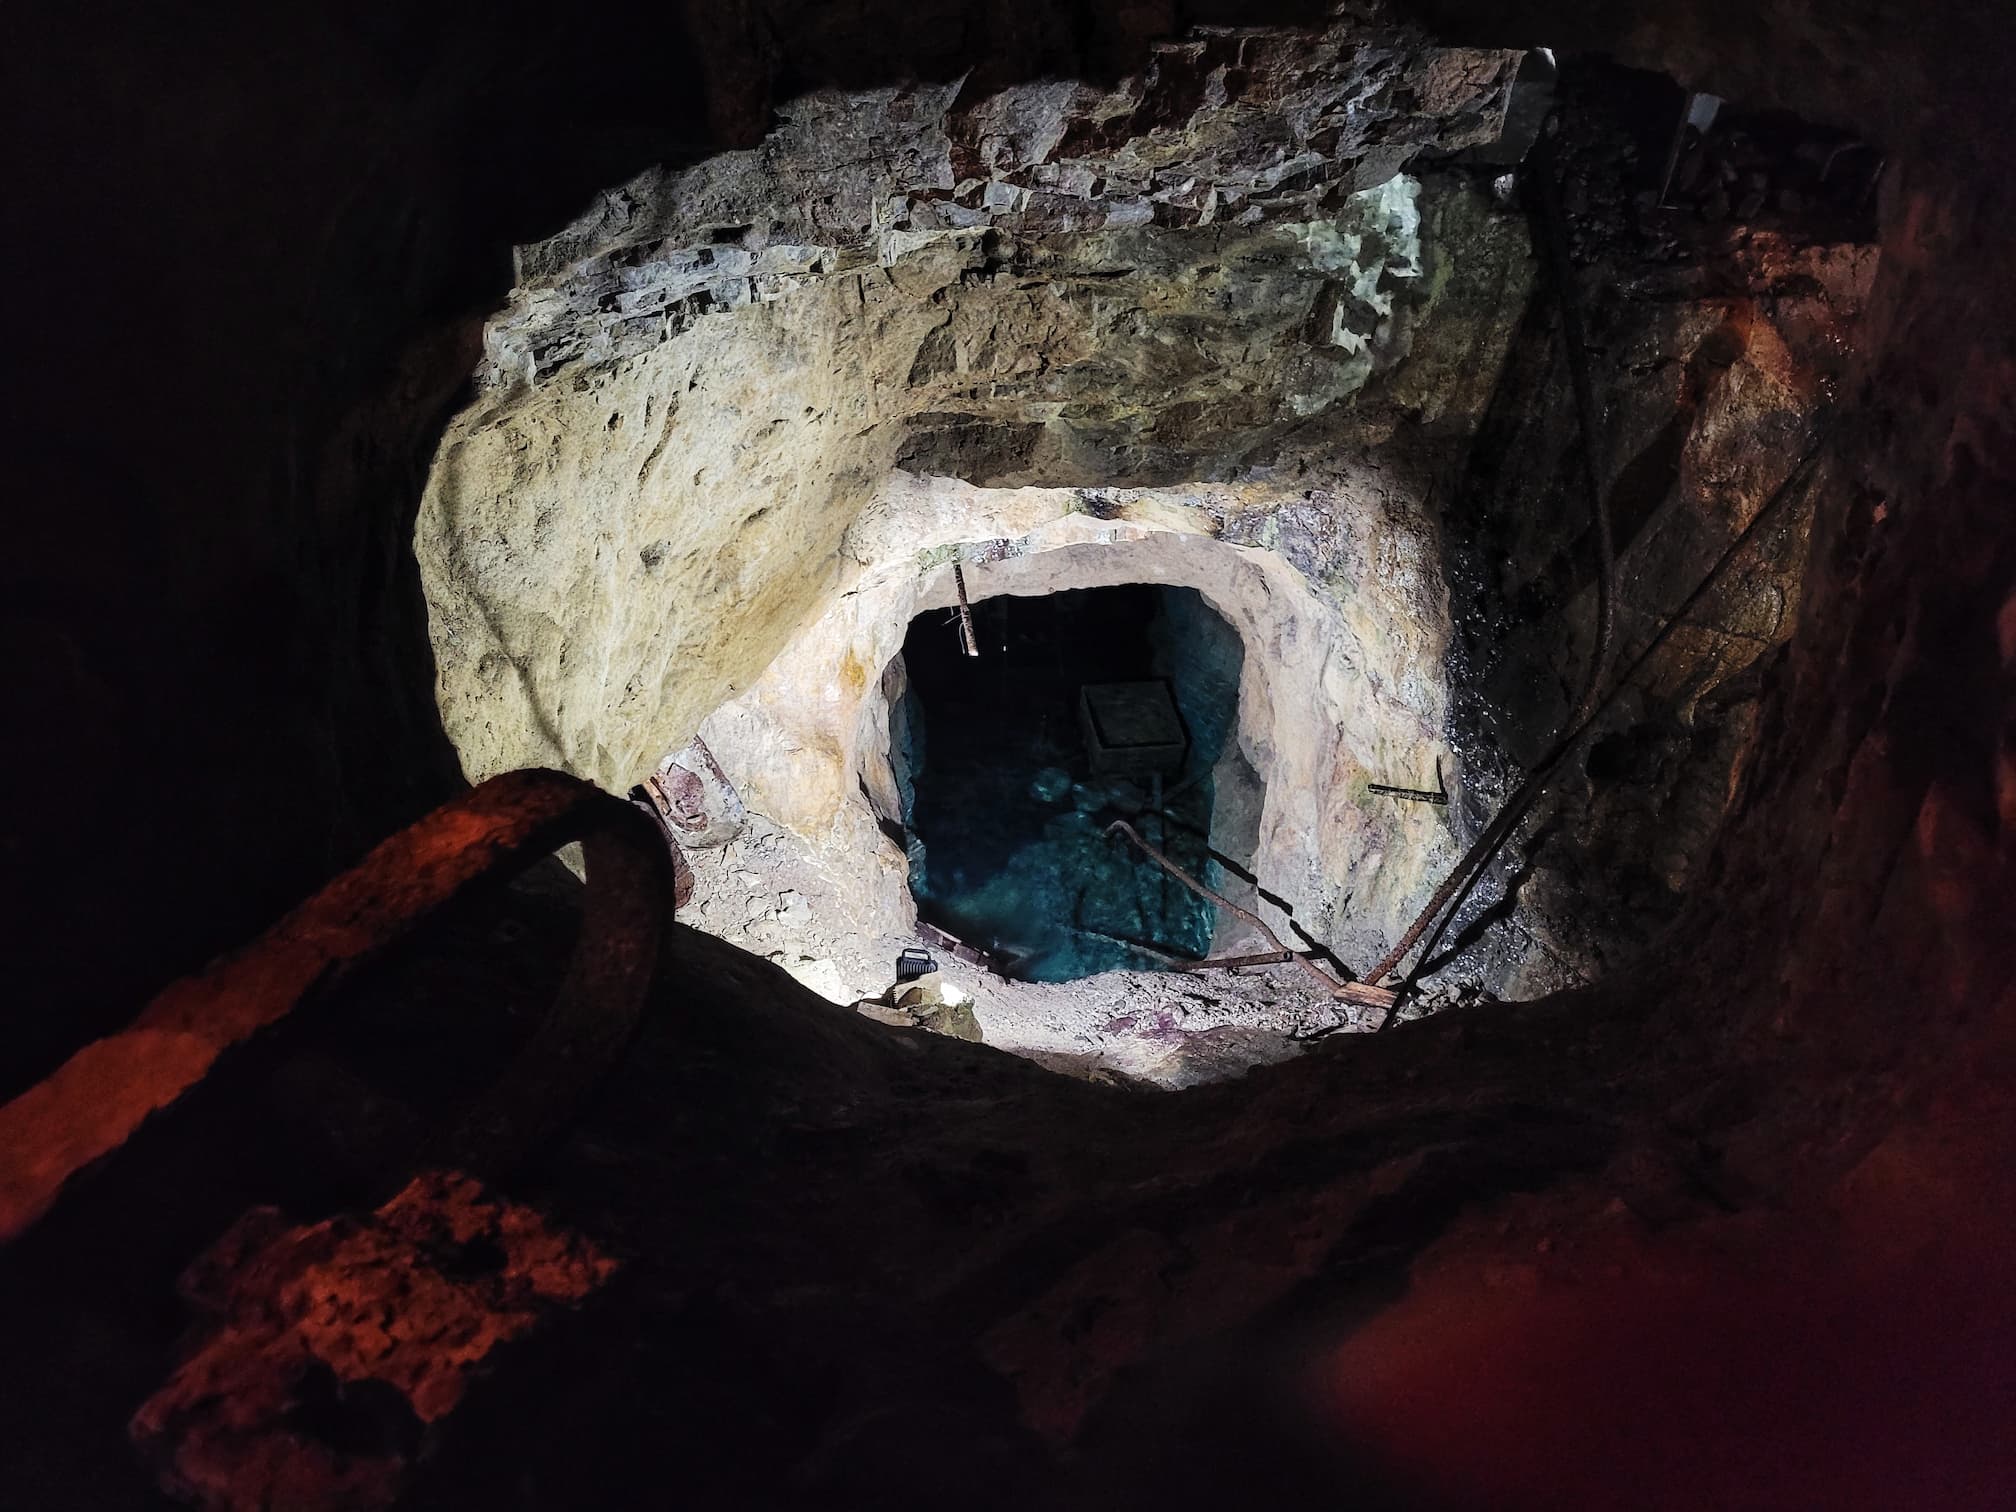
<point>93,1103</point>
<point>1331,986</point>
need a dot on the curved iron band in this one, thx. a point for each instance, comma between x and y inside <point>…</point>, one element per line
<point>96,1100</point>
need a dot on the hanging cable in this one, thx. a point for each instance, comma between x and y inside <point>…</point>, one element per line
<point>1553,234</point>
<point>1554,237</point>
<point>1455,887</point>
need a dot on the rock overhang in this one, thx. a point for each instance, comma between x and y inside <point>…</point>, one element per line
<point>1141,357</point>
<point>706,398</point>
<point>671,472</point>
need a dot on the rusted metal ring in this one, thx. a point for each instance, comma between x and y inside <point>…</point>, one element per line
<point>97,1100</point>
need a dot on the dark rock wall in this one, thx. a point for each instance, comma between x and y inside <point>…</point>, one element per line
<point>209,625</point>
<point>1718,345</point>
<point>1884,774</point>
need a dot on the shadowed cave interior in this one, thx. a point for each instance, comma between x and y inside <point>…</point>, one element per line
<point>483,647</point>
<point>1007,801</point>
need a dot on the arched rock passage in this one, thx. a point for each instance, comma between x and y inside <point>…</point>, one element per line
<point>1827,1054</point>
<point>1013,754</point>
<point>1340,686</point>
<point>734,397</point>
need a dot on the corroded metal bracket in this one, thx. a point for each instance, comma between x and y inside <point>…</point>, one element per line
<point>1228,963</point>
<point>1438,794</point>
<point>95,1101</point>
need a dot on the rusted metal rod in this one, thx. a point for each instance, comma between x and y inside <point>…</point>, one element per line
<point>1179,962</point>
<point>1315,946</point>
<point>1437,794</point>
<point>968,641</point>
<point>1330,985</point>
<point>1419,795</point>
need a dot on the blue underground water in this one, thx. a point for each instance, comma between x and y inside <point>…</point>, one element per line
<point>1005,817</point>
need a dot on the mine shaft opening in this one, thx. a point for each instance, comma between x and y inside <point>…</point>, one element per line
<point>1079,708</point>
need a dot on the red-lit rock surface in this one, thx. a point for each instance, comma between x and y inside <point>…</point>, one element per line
<point>387,1317</point>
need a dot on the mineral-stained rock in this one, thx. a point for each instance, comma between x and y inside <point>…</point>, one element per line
<point>611,554</point>
<point>882,1013</point>
<point>936,1003</point>
<point>1716,356</point>
<point>1333,595</point>
<point>697,386</point>
<point>1230,126</point>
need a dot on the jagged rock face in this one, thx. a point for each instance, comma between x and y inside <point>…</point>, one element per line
<point>1337,599</point>
<point>1232,127</point>
<point>873,1201</point>
<point>698,388</point>
<point>610,556</point>
<point>1719,350</point>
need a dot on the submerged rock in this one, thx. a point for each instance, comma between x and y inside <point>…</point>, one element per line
<point>1051,785</point>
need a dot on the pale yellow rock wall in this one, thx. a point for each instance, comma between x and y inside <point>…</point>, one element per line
<point>608,558</point>
<point>612,552</point>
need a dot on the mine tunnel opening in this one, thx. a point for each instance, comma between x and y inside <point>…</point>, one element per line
<point>1081,707</point>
